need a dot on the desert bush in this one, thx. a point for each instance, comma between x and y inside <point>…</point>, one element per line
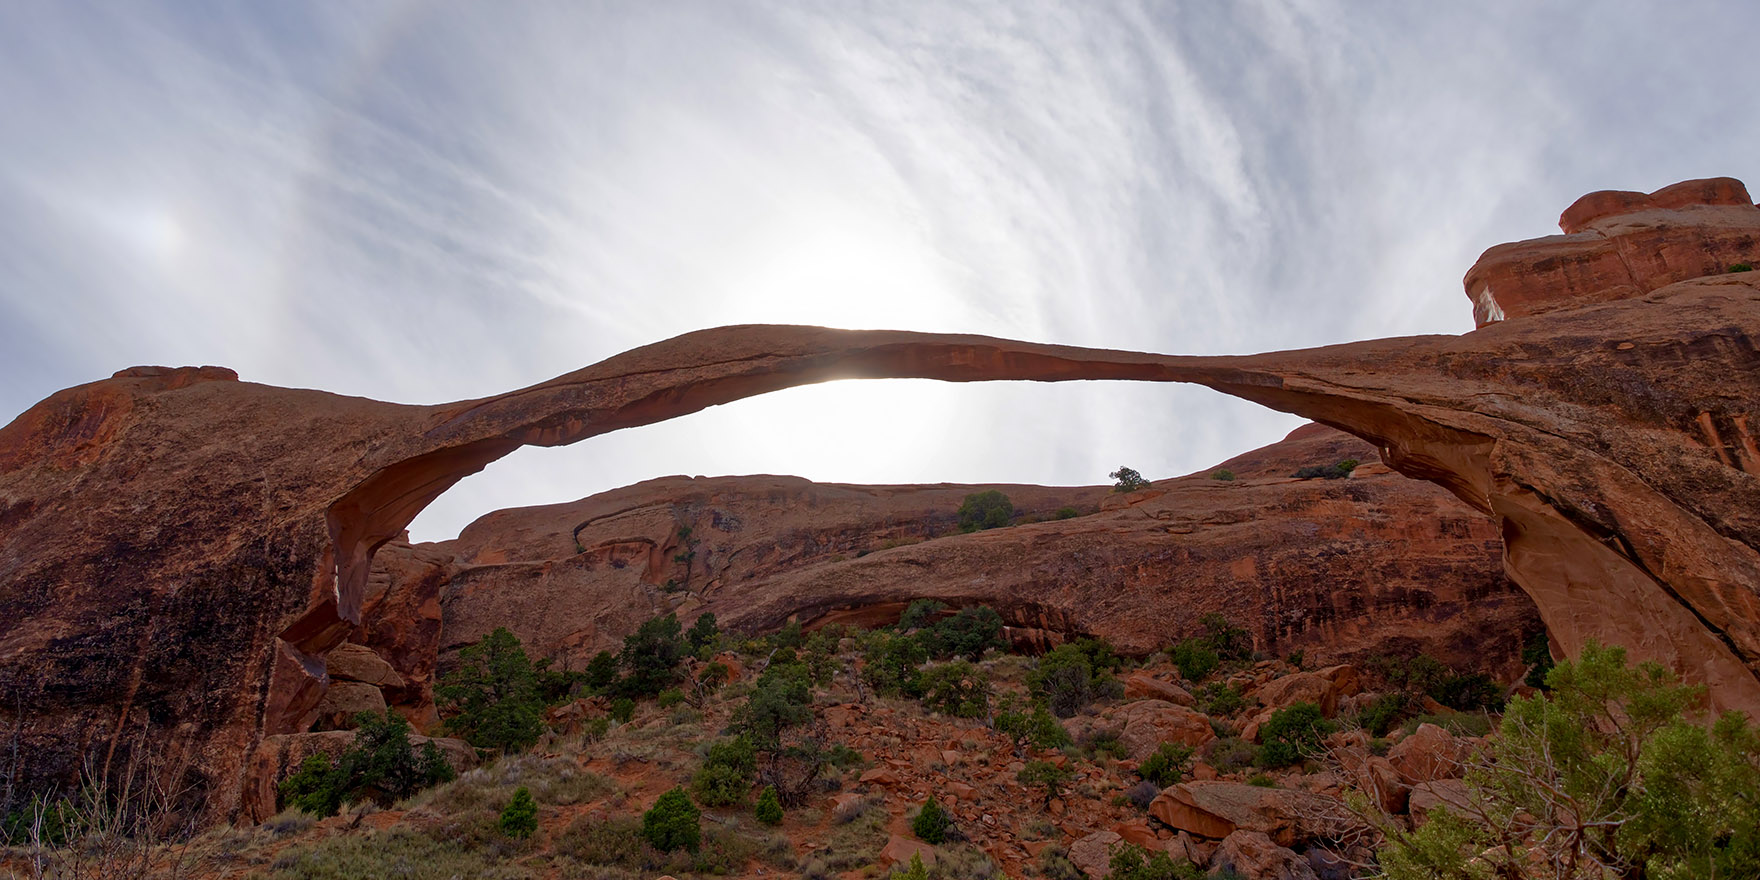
<point>769,809</point>
<point>1606,775</point>
<point>1537,653</point>
<point>957,689</point>
<point>1328,471</point>
<point>1127,480</point>
<point>1027,724</point>
<point>1293,733</point>
<point>967,634</point>
<point>727,772</point>
<point>1218,698</point>
<point>1195,659</point>
<point>601,673</point>
<point>1387,710</point>
<point>781,698</point>
<point>650,657</point>
<point>931,823</point>
<point>493,700</point>
<point>1231,754</point>
<point>1169,764</point>
<point>703,635</point>
<point>921,614</point>
<point>1066,680</point>
<point>1046,775</point>
<point>673,823</point>
<point>380,765</point>
<point>1132,862</point>
<point>1224,475</point>
<point>1741,267</point>
<point>1066,512</point>
<point>985,510</point>
<point>1142,794</point>
<point>892,664</point>
<point>520,817</point>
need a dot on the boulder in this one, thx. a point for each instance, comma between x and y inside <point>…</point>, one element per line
<point>1429,754</point>
<point>1428,796</point>
<point>1092,854</point>
<point>352,662</point>
<point>1217,809</point>
<point>1254,855</point>
<point>1149,723</point>
<point>1140,685</point>
<point>1322,687</point>
<point>346,699</point>
<point>898,850</point>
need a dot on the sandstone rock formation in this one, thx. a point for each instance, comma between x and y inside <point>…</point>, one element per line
<point>1374,564</point>
<point>179,550</point>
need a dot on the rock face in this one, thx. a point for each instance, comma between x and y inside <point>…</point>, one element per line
<point>179,550</point>
<point>1619,245</point>
<point>1374,564</point>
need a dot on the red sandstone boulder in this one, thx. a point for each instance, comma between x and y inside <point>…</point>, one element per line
<point>1427,797</point>
<point>1429,754</point>
<point>1254,855</point>
<point>1322,687</point>
<point>1146,724</point>
<point>1217,809</point>
<point>1140,685</point>
<point>1092,854</point>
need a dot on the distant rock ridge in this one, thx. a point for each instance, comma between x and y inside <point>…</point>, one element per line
<point>176,559</point>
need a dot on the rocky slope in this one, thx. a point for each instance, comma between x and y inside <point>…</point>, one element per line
<point>179,550</point>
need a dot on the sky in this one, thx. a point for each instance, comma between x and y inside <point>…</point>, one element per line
<point>430,201</point>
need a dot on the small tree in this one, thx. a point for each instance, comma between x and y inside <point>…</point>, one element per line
<point>703,634</point>
<point>967,634</point>
<point>673,823</point>
<point>916,871</point>
<point>1293,733</point>
<point>379,765</point>
<point>601,673</point>
<point>985,510</point>
<point>726,773</point>
<point>769,809</point>
<point>520,817</point>
<point>492,697</point>
<point>1027,724</point>
<point>931,823</point>
<point>1046,775</point>
<point>958,689</point>
<point>1065,678</point>
<point>1128,480</point>
<point>1168,765</point>
<point>650,657</point>
<point>892,664</point>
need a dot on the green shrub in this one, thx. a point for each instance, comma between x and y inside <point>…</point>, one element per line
<point>931,823</point>
<point>380,765</point>
<point>1457,723</point>
<point>601,673</point>
<point>957,689</point>
<point>1100,653</point>
<point>1231,754</point>
<point>727,773</point>
<point>1067,681</point>
<point>669,698</point>
<point>1293,733</point>
<point>892,664</point>
<point>967,634</point>
<point>397,853</point>
<point>1219,699</point>
<point>520,817</point>
<point>769,809</point>
<point>492,700</point>
<point>1066,512</point>
<point>1028,724</point>
<point>1741,267</point>
<point>781,698</point>
<point>1329,471</point>
<point>704,634</point>
<point>1127,480</point>
<point>1195,659</point>
<point>915,871</point>
<point>1224,475</point>
<point>1046,775</point>
<point>1604,770</point>
<point>1169,764</point>
<point>1132,862</point>
<point>622,710</point>
<point>650,657</point>
<point>1387,710</point>
<point>1537,653</point>
<point>921,614</point>
<point>1468,693</point>
<point>1260,780</point>
<point>985,510</point>
<point>673,823</point>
